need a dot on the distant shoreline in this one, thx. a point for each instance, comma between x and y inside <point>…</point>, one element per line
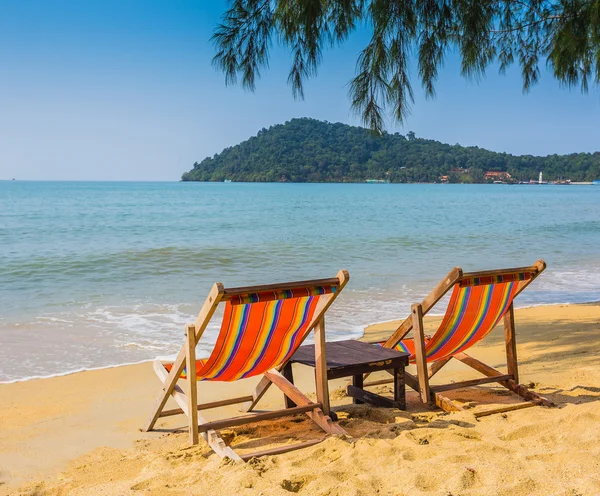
<point>575,183</point>
<point>150,181</point>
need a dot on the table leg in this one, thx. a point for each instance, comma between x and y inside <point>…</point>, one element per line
<point>287,373</point>
<point>399,388</point>
<point>357,381</point>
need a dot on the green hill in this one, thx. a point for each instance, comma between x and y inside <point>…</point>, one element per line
<point>308,150</point>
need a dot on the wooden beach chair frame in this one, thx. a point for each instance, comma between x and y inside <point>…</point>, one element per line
<point>187,397</point>
<point>432,394</point>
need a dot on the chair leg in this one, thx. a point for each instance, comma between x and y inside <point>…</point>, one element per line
<point>421,360</point>
<point>511,343</point>
<point>321,382</point>
<point>192,395</point>
<point>357,381</point>
<point>400,388</point>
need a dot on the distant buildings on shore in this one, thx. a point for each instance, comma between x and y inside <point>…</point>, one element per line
<point>497,176</point>
<point>503,177</point>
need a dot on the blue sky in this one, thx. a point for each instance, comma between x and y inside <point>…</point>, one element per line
<point>125,90</point>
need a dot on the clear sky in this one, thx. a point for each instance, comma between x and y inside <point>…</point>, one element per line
<point>125,90</point>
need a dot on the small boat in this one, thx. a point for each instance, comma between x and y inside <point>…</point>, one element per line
<point>227,181</point>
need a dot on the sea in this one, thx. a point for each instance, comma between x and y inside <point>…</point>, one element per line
<point>97,274</point>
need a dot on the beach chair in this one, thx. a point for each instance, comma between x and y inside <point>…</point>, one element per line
<point>261,329</point>
<point>479,300</point>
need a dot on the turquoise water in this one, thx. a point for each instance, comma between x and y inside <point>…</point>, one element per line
<point>98,274</point>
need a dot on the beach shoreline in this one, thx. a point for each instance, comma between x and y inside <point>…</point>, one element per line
<point>366,329</point>
<point>80,433</point>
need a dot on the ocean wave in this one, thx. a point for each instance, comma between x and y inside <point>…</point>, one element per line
<point>171,260</point>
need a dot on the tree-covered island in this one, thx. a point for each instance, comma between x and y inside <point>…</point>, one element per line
<point>308,150</point>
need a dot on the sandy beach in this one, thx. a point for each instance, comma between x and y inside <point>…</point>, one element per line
<point>80,434</point>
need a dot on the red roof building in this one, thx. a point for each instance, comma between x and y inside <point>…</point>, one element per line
<point>497,175</point>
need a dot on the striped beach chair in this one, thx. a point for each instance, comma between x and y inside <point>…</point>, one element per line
<point>261,329</point>
<point>478,302</point>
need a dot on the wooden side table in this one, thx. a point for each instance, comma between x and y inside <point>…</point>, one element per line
<point>355,358</point>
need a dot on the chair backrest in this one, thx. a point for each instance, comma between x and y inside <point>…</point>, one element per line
<point>477,304</point>
<point>478,301</point>
<point>263,326</point>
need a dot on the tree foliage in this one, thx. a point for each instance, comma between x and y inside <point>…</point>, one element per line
<point>308,150</point>
<point>564,34</point>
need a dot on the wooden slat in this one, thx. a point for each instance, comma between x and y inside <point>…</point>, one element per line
<point>288,388</point>
<point>498,272</point>
<point>367,368</point>
<point>508,408</point>
<point>351,357</point>
<point>284,286</point>
<point>192,396</point>
<point>446,404</point>
<point>478,365</point>
<point>208,406</point>
<point>349,352</point>
<point>220,403</point>
<point>469,383</point>
<point>420,358</point>
<point>299,398</point>
<point>281,449</point>
<point>171,412</point>
<point>257,417</point>
<point>511,343</point>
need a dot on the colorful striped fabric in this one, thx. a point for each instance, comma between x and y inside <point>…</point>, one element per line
<point>497,279</point>
<point>259,332</point>
<point>282,295</point>
<point>473,311</point>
